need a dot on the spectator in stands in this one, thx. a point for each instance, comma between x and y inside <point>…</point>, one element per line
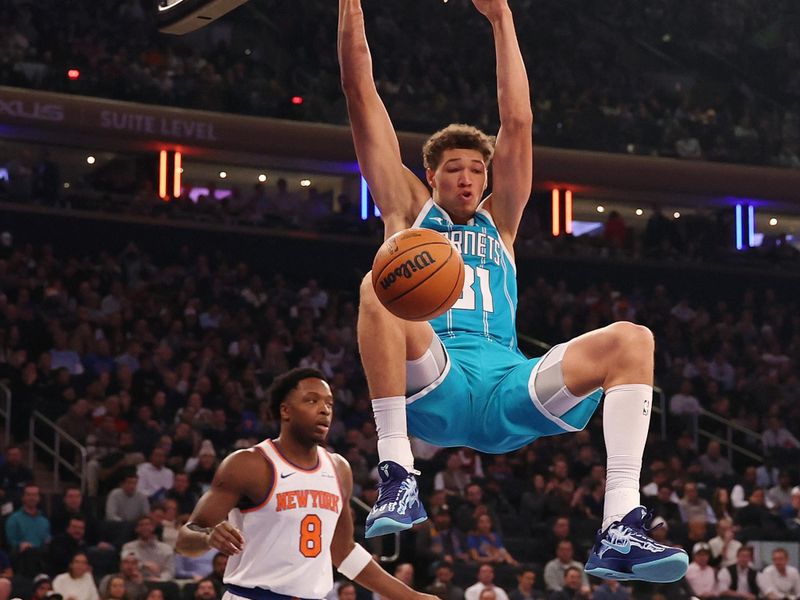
<point>739,580</point>
<point>205,590</point>
<point>71,505</point>
<point>156,558</point>
<point>127,503</point>
<point>716,468</point>
<point>485,581</point>
<point>791,515</point>
<point>779,580</point>
<point>442,540</point>
<point>611,589</point>
<point>486,545</point>
<point>721,504</point>
<point>5,588</point>
<point>777,440</point>
<point>218,564</point>
<point>744,488</point>
<point>724,546</point>
<point>27,531</point>
<point>526,579</point>
<point>42,586</point>
<point>468,513</point>
<point>573,587</point>
<point>453,479</point>
<point>555,570</point>
<point>77,583</point>
<point>195,568</point>
<point>68,543</point>
<point>14,475</point>
<point>700,574</point>
<point>114,589</point>
<point>77,421</point>
<point>685,402</point>
<point>182,493</point>
<point>443,585</point>
<point>154,477</point>
<point>756,515</point>
<point>6,569</point>
<point>201,468</point>
<point>135,588</point>
<point>615,231</point>
<point>693,507</point>
<point>780,495</point>
<point>663,505</point>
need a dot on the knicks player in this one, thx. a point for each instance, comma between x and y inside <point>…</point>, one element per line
<point>281,512</point>
<point>460,379</point>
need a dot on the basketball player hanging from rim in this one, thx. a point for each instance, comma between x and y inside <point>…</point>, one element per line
<point>460,379</point>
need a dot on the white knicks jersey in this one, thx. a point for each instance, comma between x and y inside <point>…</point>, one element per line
<point>287,538</point>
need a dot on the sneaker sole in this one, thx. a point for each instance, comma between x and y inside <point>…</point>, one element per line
<point>385,526</point>
<point>664,570</point>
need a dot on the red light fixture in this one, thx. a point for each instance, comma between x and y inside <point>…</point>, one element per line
<point>297,100</point>
<point>73,74</point>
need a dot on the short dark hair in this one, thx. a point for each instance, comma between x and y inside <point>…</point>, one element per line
<point>283,385</point>
<point>568,569</point>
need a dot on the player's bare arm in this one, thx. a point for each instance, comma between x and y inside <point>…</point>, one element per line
<point>513,157</point>
<point>397,191</point>
<point>372,577</point>
<point>242,475</point>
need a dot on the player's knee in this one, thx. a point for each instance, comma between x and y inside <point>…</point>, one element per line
<point>632,338</point>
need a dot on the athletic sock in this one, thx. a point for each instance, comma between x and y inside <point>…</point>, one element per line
<point>626,420</point>
<point>390,423</point>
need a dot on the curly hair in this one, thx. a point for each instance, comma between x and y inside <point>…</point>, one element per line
<point>457,135</point>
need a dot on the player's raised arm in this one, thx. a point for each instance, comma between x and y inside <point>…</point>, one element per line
<point>243,474</point>
<point>352,560</point>
<point>398,193</point>
<point>513,157</point>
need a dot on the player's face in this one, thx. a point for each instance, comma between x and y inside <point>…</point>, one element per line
<point>310,409</point>
<point>458,182</point>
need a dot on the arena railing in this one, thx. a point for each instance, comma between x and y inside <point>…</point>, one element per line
<point>5,413</point>
<point>361,505</point>
<point>60,437</point>
<point>727,441</point>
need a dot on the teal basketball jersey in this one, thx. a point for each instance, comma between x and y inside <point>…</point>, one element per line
<point>488,303</point>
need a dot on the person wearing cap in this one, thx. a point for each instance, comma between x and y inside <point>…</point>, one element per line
<point>42,586</point>
<point>792,515</point>
<point>739,580</point>
<point>700,575</point>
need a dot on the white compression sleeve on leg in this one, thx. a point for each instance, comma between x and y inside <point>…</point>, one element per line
<point>355,562</point>
<point>390,423</point>
<point>626,420</point>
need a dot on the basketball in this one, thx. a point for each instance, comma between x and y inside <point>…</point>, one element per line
<point>418,274</point>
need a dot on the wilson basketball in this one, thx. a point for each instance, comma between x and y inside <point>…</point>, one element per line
<point>418,274</point>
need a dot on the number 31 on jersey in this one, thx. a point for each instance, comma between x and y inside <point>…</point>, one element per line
<point>467,299</point>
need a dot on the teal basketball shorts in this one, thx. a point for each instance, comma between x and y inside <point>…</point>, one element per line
<point>485,399</point>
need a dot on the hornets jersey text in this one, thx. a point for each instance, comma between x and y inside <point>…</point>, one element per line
<point>488,303</point>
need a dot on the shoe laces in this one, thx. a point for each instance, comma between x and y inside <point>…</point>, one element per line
<point>402,491</point>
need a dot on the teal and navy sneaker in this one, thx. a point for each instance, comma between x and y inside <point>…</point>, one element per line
<point>398,506</point>
<point>625,552</point>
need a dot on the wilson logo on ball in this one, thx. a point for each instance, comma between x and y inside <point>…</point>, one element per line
<point>412,265</point>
